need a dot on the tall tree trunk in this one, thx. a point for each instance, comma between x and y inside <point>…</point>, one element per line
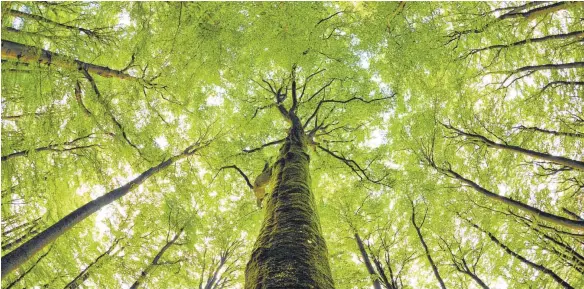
<point>290,251</point>
<point>83,275</point>
<point>62,147</point>
<point>28,270</point>
<point>574,34</point>
<point>426,250</point>
<point>524,260</point>
<point>538,155</point>
<point>540,10</point>
<point>367,262</point>
<point>15,242</point>
<point>39,18</point>
<point>558,220</point>
<point>25,225</point>
<point>17,257</point>
<point>156,260</point>
<point>25,53</point>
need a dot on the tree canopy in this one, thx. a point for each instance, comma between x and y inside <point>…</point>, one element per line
<point>445,140</point>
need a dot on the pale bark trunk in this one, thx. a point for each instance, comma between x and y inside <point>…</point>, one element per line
<point>17,257</point>
<point>25,53</point>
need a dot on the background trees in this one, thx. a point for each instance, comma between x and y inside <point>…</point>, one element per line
<point>395,95</point>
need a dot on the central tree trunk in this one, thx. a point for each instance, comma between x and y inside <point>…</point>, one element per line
<point>290,251</point>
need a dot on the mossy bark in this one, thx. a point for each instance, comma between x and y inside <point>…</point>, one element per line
<point>290,251</point>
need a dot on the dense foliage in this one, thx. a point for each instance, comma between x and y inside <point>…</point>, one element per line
<point>446,139</point>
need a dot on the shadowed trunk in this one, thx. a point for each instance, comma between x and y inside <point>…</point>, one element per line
<point>290,251</point>
<point>367,262</point>
<point>17,257</point>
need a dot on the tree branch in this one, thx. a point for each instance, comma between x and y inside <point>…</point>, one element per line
<point>239,171</point>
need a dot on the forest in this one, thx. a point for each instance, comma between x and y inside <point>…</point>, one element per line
<point>265,145</point>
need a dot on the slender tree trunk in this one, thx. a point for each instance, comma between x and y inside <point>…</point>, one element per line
<point>575,34</point>
<point>426,250</point>
<point>25,53</point>
<point>367,262</point>
<point>54,147</point>
<point>535,266</point>
<point>572,214</point>
<point>155,261</point>
<point>477,279</point>
<point>386,282</point>
<point>552,132</point>
<point>19,240</point>
<point>540,10</point>
<point>17,257</point>
<point>38,18</point>
<point>551,66</point>
<point>538,155</point>
<point>27,225</point>
<point>83,275</point>
<point>558,220</point>
<point>290,251</point>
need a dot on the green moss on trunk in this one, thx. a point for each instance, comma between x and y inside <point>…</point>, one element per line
<point>290,251</point>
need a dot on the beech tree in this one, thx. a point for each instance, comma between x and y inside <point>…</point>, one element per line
<point>292,145</point>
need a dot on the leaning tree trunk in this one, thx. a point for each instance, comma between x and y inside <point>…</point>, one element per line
<point>365,256</point>
<point>16,258</point>
<point>290,251</point>
<point>30,54</point>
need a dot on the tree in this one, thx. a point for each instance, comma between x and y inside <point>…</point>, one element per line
<point>330,145</point>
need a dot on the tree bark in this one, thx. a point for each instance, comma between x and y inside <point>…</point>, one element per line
<point>290,251</point>
<point>155,261</point>
<point>19,240</point>
<point>538,267</point>
<point>539,10</point>
<point>558,220</point>
<point>572,214</point>
<point>29,269</point>
<point>83,275</point>
<point>551,66</point>
<point>426,250</point>
<point>543,156</point>
<point>367,262</point>
<point>27,225</point>
<point>575,34</point>
<point>25,53</point>
<point>17,257</point>
<point>38,18</point>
